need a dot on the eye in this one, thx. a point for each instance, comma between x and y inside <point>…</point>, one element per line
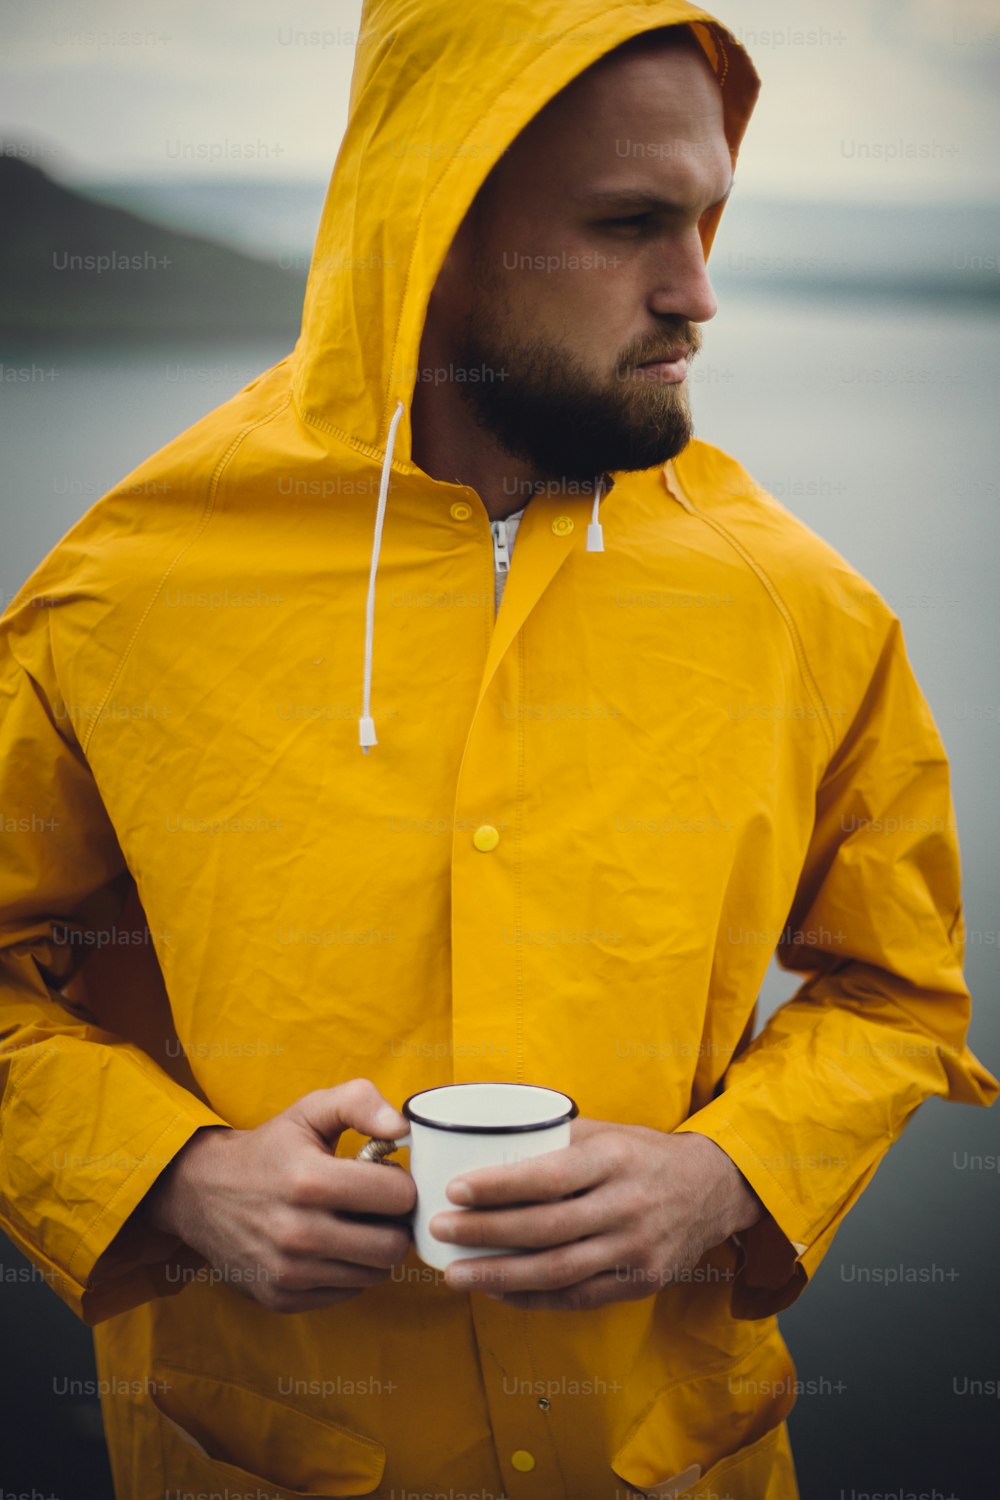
<point>630,221</point>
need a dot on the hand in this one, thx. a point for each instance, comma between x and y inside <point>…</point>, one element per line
<point>615,1216</point>
<point>273,1210</point>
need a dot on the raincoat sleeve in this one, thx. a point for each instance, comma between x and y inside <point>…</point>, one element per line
<point>87,1119</point>
<point>809,1108</point>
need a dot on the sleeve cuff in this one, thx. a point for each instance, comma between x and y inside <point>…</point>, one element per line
<point>773,1266</point>
<point>119,1261</point>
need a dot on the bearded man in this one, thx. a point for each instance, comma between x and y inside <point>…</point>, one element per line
<point>445,783</point>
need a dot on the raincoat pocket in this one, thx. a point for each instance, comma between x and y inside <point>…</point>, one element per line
<point>764,1470</point>
<point>214,1430</point>
<point>720,1437</point>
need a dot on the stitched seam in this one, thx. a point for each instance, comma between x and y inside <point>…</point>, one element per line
<point>719,37</point>
<point>268,1396</point>
<point>93,1225</point>
<point>213,488</point>
<point>816,1227</point>
<point>816,698</point>
<point>369,450</point>
<point>20,1237</point>
<point>753,1157</point>
<point>436,188</point>
<point>729,1363</point>
<point>736,1460</point>
<point>15,1084</point>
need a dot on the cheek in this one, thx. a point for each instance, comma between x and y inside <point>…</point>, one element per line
<point>591,307</point>
<point>608,309</point>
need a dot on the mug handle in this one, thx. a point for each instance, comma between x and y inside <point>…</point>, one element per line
<point>376,1149</point>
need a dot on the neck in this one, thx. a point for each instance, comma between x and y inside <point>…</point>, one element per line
<point>449,445</point>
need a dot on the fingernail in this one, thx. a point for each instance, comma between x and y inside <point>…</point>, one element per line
<point>459,1192</point>
<point>387,1121</point>
<point>442,1230</point>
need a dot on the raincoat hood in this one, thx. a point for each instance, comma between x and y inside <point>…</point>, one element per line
<point>434,103</point>
<point>433,106</point>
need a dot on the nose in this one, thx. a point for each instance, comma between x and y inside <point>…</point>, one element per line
<point>682,288</point>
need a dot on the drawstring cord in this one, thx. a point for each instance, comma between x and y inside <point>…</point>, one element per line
<point>366,724</point>
<point>595,531</point>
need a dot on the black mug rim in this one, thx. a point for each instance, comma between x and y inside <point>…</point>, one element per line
<point>567,1114</point>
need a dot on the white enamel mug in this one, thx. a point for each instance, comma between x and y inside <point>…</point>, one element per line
<point>459,1127</point>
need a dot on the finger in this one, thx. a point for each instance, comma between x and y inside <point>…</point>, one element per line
<point>529,1227</point>
<point>554,1175</point>
<point>357,1105</point>
<point>340,1183</point>
<point>364,1187</point>
<point>581,1128</point>
<point>549,1271</point>
<point>330,1237</point>
<point>310,1275</point>
<point>297,1302</point>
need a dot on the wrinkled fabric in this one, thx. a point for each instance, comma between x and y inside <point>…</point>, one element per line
<point>699,747</point>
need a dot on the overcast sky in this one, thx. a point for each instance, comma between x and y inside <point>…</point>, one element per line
<point>886,100</point>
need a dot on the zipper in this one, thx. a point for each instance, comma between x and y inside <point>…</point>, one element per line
<point>501,551</point>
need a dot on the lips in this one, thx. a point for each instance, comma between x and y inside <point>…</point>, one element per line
<point>666,369</point>
<point>672,356</point>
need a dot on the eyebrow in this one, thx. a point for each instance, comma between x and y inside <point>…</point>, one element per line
<point>639,199</point>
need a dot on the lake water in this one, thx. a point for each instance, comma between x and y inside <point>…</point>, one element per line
<point>876,423</point>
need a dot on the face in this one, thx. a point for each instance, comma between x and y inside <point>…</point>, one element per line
<point>579,274</point>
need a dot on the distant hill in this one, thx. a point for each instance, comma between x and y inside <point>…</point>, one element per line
<point>74,267</point>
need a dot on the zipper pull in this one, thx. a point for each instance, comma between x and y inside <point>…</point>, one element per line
<point>501,555</point>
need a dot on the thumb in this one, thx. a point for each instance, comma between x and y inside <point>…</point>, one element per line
<point>357,1105</point>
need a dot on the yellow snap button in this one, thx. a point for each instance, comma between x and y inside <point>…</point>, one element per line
<point>486,838</point>
<point>562,525</point>
<point>523,1461</point>
<point>461,511</point>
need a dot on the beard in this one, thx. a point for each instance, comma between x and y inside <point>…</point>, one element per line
<point>541,404</point>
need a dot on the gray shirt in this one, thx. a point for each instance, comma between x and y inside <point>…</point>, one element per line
<point>500,575</point>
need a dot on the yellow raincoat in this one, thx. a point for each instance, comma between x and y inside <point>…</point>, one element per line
<point>698,745</point>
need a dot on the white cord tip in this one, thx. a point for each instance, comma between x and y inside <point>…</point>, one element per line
<point>595,537</point>
<point>366,732</point>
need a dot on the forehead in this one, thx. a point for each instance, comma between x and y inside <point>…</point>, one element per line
<point>660,110</point>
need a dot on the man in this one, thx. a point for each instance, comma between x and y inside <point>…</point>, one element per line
<point>384,837</point>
